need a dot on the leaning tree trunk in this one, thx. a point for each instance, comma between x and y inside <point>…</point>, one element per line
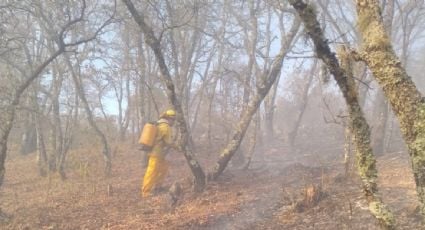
<point>154,43</point>
<point>263,87</point>
<point>366,162</point>
<point>405,99</point>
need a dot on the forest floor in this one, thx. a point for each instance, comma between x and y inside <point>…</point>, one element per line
<point>269,195</point>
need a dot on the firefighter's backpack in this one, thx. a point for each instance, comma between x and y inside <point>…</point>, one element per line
<point>148,136</point>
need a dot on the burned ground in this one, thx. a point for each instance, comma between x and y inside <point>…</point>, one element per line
<point>266,196</point>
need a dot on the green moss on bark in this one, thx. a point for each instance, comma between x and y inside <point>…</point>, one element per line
<point>358,125</point>
<point>398,87</point>
<point>380,211</point>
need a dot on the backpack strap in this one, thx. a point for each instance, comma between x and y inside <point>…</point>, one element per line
<point>162,120</point>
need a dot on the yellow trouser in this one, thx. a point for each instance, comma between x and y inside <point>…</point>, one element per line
<point>155,174</point>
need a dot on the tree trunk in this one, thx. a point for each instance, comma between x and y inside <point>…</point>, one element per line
<point>41,147</point>
<point>8,115</point>
<point>381,112</point>
<point>263,87</point>
<point>56,132</point>
<point>366,162</point>
<point>29,137</point>
<point>42,156</point>
<point>406,101</point>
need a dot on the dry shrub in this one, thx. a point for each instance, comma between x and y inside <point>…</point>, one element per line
<point>312,195</point>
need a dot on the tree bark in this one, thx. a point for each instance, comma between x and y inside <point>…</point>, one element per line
<point>366,162</point>
<point>405,99</point>
<point>381,112</point>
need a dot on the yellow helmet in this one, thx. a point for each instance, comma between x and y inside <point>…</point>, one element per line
<point>170,113</point>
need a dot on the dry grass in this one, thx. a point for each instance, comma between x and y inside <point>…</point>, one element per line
<point>261,198</point>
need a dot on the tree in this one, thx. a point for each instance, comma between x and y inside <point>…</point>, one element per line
<point>407,102</point>
<point>263,86</point>
<point>12,46</point>
<point>342,73</point>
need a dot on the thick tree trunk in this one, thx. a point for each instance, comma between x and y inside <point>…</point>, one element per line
<point>262,89</point>
<point>381,112</point>
<point>251,42</point>
<point>366,162</point>
<point>154,43</point>
<point>406,101</point>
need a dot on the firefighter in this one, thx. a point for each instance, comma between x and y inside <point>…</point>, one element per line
<point>158,167</point>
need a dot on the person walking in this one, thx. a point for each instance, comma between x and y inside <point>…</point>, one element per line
<point>158,166</point>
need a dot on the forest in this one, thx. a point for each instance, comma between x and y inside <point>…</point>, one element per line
<point>269,114</point>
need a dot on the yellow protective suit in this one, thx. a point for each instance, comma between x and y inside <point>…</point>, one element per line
<point>157,166</point>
